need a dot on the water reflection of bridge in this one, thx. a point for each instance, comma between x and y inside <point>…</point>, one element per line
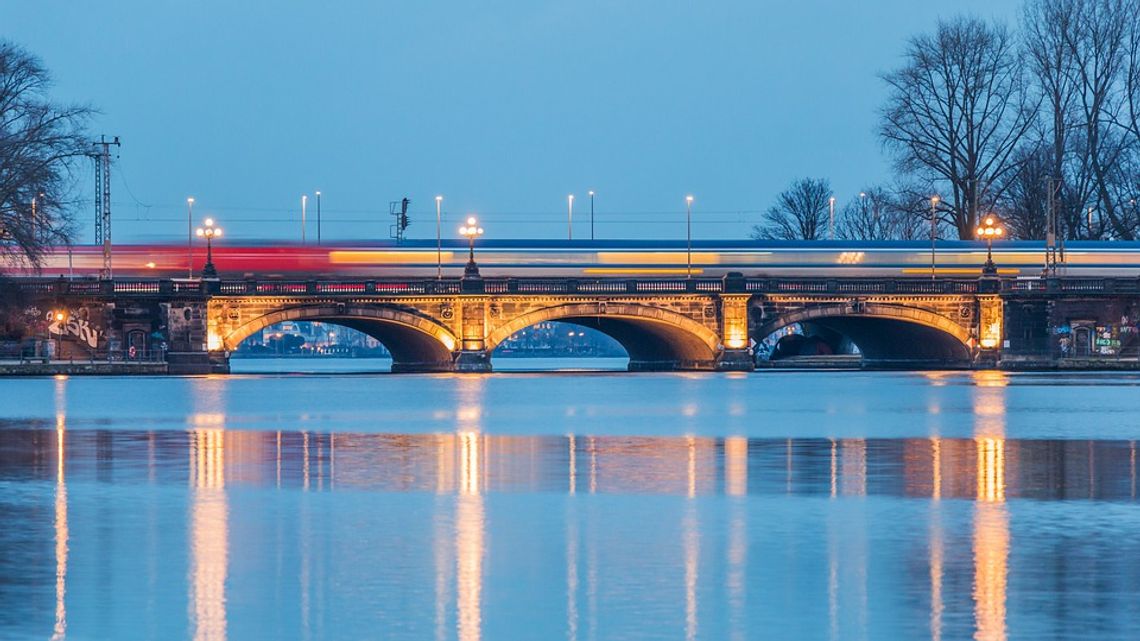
<point>462,468</point>
<point>945,468</point>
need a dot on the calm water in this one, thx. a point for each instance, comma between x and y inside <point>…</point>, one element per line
<point>584,506</point>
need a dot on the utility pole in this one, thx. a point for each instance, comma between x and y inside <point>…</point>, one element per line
<point>304,202</point>
<point>318,217</point>
<point>102,157</point>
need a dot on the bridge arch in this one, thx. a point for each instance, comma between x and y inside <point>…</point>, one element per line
<point>415,342</point>
<point>655,338</point>
<point>887,334</point>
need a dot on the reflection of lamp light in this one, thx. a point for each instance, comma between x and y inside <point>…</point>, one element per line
<point>736,339</point>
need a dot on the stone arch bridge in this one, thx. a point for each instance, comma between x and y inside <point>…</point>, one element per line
<point>455,325</point>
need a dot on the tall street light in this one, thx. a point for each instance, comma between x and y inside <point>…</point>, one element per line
<point>570,217</point>
<point>209,232</point>
<point>689,235</point>
<point>989,230</point>
<point>190,237</point>
<point>318,218</point>
<point>36,226</point>
<point>591,192</point>
<point>304,201</point>
<point>438,237</point>
<point>934,200</point>
<point>831,218</point>
<point>471,231</point>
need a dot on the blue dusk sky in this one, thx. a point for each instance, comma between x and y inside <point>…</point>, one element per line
<point>504,107</point>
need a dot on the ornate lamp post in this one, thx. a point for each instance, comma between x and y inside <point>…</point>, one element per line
<point>471,231</point>
<point>989,230</point>
<point>209,232</point>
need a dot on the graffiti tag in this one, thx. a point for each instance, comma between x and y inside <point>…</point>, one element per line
<point>74,326</point>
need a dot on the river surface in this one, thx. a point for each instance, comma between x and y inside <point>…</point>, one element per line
<point>570,505</point>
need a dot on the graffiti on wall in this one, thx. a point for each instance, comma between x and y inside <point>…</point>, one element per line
<point>73,324</point>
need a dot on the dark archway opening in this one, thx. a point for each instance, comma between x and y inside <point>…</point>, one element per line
<point>339,344</point>
<point>560,346</point>
<point>812,340</point>
<point>648,345</point>
<point>869,342</point>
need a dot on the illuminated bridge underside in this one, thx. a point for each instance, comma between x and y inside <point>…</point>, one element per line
<point>416,343</point>
<point>891,335</point>
<point>674,332</point>
<point>654,338</point>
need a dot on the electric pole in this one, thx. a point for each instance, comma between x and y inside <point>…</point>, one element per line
<point>102,157</point>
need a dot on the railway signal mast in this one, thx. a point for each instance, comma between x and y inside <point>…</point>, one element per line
<point>399,210</point>
<point>102,157</point>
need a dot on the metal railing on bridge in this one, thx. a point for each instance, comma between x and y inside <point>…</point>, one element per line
<point>165,288</point>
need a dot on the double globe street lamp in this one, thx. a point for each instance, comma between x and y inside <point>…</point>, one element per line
<point>209,232</point>
<point>471,231</point>
<point>989,230</point>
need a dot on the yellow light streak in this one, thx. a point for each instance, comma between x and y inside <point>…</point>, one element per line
<point>665,271</point>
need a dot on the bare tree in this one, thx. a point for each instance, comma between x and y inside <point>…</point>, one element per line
<point>914,205</point>
<point>800,213</point>
<point>1025,204</point>
<point>1048,25</point>
<point>957,111</point>
<point>40,142</point>
<point>1098,44</point>
<point>1132,73</point>
<point>871,215</point>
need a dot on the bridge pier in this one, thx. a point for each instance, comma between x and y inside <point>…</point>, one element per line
<point>426,367</point>
<point>472,362</point>
<point>735,360</point>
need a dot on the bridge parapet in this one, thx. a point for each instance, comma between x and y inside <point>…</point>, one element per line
<point>506,285</point>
